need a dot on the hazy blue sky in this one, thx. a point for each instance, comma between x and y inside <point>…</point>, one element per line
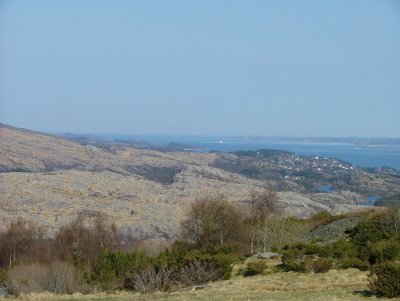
<point>293,68</point>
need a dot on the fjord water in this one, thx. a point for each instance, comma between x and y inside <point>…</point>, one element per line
<point>364,156</point>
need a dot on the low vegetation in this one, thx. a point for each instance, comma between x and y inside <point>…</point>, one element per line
<point>254,268</point>
<point>385,279</point>
<point>88,255</point>
<point>391,201</point>
<point>273,284</point>
<point>374,243</point>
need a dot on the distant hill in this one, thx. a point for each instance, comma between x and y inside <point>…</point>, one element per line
<point>49,179</point>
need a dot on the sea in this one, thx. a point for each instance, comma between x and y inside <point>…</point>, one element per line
<point>363,156</point>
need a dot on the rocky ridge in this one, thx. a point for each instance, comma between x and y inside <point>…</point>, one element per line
<point>50,180</point>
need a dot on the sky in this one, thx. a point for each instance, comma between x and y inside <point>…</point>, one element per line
<point>210,67</point>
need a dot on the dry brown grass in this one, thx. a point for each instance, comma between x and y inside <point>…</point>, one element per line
<point>366,212</point>
<point>58,277</point>
<point>334,285</point>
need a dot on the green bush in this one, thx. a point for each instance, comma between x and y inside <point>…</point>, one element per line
<point>222,261</point>
<point>383,251</point>
<point>112,268</point>
<point>4,283</point>
<point>343,248</point>
<point>225,263</point>
<point>319,249</point>
<point>254,268</point>
<point>303,257</point>
<point>353,262</point>
<point>374,229</point>
<point>4,280</point>
<point>311,248</point>
<point>294,260</point>
<point>322,265</point>
<point>127,269</point>
<point>384,279</point>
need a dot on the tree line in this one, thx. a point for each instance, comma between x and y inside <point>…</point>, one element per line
<point>214,234</point>
<point>88,254</point>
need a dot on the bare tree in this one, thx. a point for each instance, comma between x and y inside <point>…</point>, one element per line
<point>211,221</point>
<point>277,231</point>
<point>83,240</point>
<point>257,208</point>
<point>62,278</point>
<point>20,241</point>
<point>105,233</point>
<point>58,277</point>
<point>393,220</point>
<point>71,240</point>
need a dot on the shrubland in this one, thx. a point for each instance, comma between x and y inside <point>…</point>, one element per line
<point>89,255</point>
<point>374,243</point>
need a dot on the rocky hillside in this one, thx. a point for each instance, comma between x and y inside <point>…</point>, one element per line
<point>146,192</point>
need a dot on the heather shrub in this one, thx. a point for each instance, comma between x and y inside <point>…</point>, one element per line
<point>307,257</point>
<point>222,262</point>
<point>254,268</point>
<point>318,249</point>
<point>353,262</point>
<point>384,279</point>
<point>343,248</point>
<point>294,260</point>
<point>322,265</point>
<point>383,251</point>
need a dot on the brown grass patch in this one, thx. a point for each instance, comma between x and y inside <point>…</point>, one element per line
<point>334,285</point>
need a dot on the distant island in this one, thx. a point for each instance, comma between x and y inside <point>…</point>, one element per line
<point>365,152</point>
